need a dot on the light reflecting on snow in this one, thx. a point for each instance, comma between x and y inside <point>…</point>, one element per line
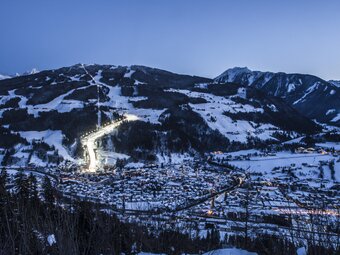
<point>90,140</point>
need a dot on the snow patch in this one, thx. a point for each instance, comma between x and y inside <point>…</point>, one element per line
<point>312,88</point>
<point>134,165</point>
<point>51,137</point>
<point>330,111</point>
<point>51,240</point>
<point>272,108</point>
<point>301,251</point>
<point>336,118</point>
<point>291,87</point>
<point>129,73</point>
<point>242,92</point>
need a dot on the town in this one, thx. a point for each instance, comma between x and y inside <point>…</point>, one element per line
<point>250,192</point>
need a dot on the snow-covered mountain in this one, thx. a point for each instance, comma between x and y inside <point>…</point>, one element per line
<point>2,76</point>
<point>44,115</point>
<point>311,96</point>
<point>32,71</point>
<point>336,83</point>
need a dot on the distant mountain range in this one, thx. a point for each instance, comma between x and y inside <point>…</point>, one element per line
<point>311,96</point>
<point>5,76</point>
<point>44,114</point>
<point>2,77</point>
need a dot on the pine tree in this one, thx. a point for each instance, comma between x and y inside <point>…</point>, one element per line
<point>48,191</point>
<point>33,190</point>
<point>6,157</point>
<point>21,183</point>
<point>3,181</point>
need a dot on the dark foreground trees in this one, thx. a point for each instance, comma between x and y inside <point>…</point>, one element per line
<point>33,222</point>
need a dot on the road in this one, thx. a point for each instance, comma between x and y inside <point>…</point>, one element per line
<point>90,140</point>
<point>33,170</point>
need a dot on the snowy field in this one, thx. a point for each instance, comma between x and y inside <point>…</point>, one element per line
<point>266,164</point>
<point>235,130</point>
<point>51,137</point>
<point>329,145</point>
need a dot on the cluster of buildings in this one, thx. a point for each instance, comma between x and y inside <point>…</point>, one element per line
<point>169,188</point>
<point>197,196</point>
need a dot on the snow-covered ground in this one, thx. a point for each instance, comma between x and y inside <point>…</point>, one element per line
<point>336,118</point>
<point>54,137</point>
<point>134,165</point>
<point>329,145</point>
<point>265,165</point>
<point>90,141</point>
<point>59,103</point>
<point>51,137</point>
<point>123,104</point>
<point>295,140</point>
<point>235,130</point>
<point>62,105</point>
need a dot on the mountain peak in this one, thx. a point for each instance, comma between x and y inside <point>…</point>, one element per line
<point>230,74</point>
<point>239,69</point>
<point>300,90</point>
<point>33,71</point>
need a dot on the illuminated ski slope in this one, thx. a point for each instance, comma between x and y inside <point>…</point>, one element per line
<point>90,140</point>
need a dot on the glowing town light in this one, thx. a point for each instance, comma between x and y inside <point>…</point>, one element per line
<point>210,212</point>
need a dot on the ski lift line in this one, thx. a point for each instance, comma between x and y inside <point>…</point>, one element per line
<point>98,99</point>
<point>90,139</point>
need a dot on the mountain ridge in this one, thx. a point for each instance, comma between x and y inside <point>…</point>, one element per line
<point>310,95</point>
<point>50,110</point>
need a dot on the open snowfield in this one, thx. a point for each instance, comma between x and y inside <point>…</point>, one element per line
<point>234,130</point>
<point>329,145</point>
<point>266,164</point>
<point>51,137</point>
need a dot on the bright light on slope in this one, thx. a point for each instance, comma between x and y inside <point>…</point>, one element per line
<point>90,140</point>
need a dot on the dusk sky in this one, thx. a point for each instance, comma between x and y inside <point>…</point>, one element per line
<point>193,37</point>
